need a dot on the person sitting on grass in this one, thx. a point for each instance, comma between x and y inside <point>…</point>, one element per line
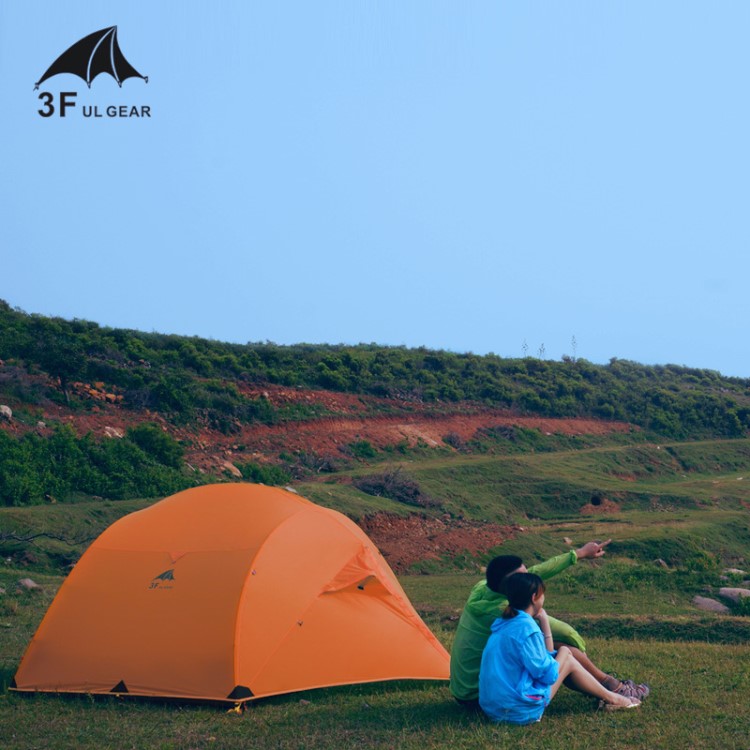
<point>521,671</point>
<point>486,603</point>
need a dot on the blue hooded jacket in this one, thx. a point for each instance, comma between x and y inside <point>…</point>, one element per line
<point>517,671</point>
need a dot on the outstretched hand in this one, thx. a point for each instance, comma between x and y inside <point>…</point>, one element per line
<point>592,550</point>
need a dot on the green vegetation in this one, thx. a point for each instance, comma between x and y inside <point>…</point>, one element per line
<point>396,485</point>
<point>196,379</point>
<point>264,473</point>
<point>156,443</point>
<point>362,450</point>
<point>650,477</point>
<point>51,538</point>
<point>34,469</point>
<point>670,478</point>
<point>413,716</point>
<point>200,383</point>
<point>685,516</point>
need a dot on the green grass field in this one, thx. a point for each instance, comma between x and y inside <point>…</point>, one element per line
<point>698,699</point>
<point>707,710</point>
<point>685,504</point>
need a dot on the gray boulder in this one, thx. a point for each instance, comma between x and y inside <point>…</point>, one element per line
<point>710,605</point>
<point>733,594</point>
<point>734,572</point>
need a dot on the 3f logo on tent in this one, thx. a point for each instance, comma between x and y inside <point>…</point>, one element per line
<point>163,580</point>
<point>94,54</point>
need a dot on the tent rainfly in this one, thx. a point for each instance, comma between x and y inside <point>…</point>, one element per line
<point>229,592</point>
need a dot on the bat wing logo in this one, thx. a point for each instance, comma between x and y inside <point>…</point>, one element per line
<point>94,54</point>
<point>163,580</point>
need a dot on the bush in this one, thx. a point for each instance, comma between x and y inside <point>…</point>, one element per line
<point>264,474</point>
<point>34,469</point>
<point>360,449</point>
<point>454,440</point>
<point>395,485</point>
<point>154,441</point>
<point>303,463</point>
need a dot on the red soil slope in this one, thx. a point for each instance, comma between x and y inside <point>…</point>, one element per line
<point>356,418</point>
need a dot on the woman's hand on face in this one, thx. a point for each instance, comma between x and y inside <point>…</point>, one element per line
<point>541,615</point>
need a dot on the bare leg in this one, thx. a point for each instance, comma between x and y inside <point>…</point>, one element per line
<point>611,683</point>
<point>573,671</point>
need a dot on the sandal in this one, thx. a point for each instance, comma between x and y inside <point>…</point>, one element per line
<point>604,706</point>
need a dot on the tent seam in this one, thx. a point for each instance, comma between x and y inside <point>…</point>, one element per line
<point>243,593</point>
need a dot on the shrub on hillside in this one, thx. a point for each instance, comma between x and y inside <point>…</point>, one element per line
<point>35,468</point>
<point>264,473</point>
<point>158,444</point>
<point>360,449</point>
<point>396,485</point>
<point>303,463</point>
<point>455,441</point>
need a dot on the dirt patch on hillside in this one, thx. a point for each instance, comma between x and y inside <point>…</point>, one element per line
<point>341,403</point>
<point>382,422</point>
<point>601,506</point>
<point>404,541</point>
<point>327,435</point>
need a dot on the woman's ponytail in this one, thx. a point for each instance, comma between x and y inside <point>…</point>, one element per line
<point>521,588</point>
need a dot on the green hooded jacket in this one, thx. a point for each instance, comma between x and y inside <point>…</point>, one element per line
<point>483,607</point>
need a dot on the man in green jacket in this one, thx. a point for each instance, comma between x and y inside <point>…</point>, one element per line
<point>486,603</point>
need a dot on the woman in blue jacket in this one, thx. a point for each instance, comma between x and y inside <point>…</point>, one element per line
<point>521,671</point>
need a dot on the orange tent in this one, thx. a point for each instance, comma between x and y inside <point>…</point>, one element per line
<point>229,592</point>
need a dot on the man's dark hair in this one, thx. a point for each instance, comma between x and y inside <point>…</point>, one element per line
<point>499,568</point>
<point>521,588</point>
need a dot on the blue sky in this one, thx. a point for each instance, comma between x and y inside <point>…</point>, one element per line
<point>463,176</point>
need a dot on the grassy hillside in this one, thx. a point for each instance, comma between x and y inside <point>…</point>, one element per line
<point>190,378</point>
<point>656,479</point>
<point>679,502</point>
<point>118,414</point>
